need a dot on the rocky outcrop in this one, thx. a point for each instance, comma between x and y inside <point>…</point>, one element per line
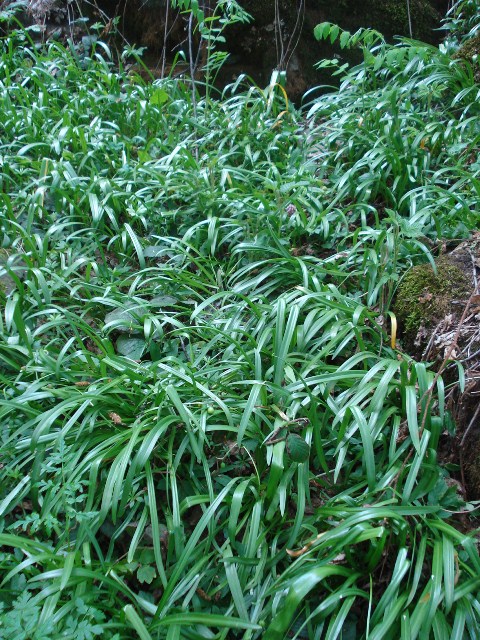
<point>299,18</point>
<point>438,315</point>
<point>279,36</point>
<point>281,33</point>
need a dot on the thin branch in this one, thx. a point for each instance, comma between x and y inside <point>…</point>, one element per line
<point>192,63</point>
<point>470,426</point>
<point>278,35</point>
<point>409,19</point>
<point>296,33</point>
<point>165,38</point>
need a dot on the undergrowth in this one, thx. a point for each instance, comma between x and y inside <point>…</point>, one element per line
<point>207,428</point>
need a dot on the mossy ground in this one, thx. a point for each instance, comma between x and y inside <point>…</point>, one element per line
<point>425,297</point>
<point>470,49</point>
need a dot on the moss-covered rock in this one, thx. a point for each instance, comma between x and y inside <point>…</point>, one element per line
<point>470,51</point>
<point>424,297</point>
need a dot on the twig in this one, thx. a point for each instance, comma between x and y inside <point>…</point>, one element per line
<point>426,352</point>
<point>470,426</point>
<point>462,442</point>
<point>296,35</point>
<point>474,270</point>
<point>428,393</point>
<point>278,35</point>
<point>470,357</point>
<point>409,19</point>
<point>192,72</point>
<point>165,38</point>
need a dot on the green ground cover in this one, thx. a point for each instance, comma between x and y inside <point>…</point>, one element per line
<point>207,429</point>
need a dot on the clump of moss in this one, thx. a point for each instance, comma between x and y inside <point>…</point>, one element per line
<point>425,297</point>
<point>469,49</point>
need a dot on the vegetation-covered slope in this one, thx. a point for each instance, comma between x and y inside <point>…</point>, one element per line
<point>207,430</point>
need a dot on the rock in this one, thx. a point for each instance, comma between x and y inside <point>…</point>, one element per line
<point>470,51</point>
<point>277,40</point>
<point>439,316</point>
<point>425,299</point>
<point>48,10</point>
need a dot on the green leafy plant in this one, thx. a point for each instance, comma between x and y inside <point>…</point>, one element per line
<point>206,427</point>
<point>211,25</point>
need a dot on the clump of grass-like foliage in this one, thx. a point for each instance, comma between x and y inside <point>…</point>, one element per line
<point>206,429</point>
